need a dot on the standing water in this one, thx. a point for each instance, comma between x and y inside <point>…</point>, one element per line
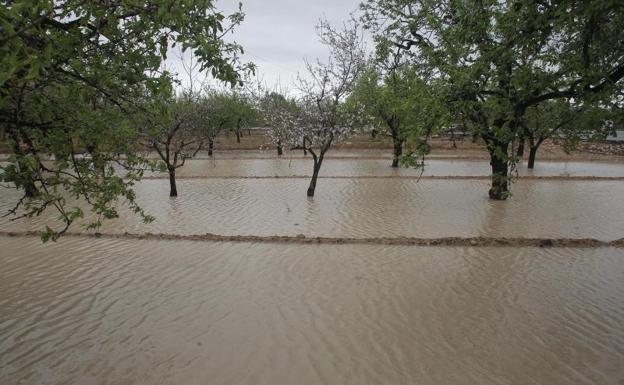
<point>103,310</point>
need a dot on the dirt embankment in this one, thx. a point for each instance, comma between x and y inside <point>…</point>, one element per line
<point>401,241</point>
<point>257,139</point>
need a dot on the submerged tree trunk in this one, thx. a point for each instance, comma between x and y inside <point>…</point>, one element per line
<point>520,151</point>
<point>173,190</point>
<point>398,151</point>
<point>318,161</point>
<point>210,146</point>
<point>532,153</point>
<point>397,141</point>
<point>534,145</point>
<point>315,172</point>
<point>238,130</point>
<point>30,190</point>
<point>499,189</point>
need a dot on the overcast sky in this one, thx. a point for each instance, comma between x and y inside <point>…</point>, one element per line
<point>278,35</point>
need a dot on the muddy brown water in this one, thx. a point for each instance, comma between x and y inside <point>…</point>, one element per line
<point>369,208</point>
<point>380,167</point>
<point>127,311</point>
<point>177,312</point>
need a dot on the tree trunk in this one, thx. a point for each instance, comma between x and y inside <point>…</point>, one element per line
<point>305,152</point>
<point>398,151</point>
<point>452,138</point>
<point>520,151</point>
<point>280,151</point>
<point>532,153</point>
<point>30,190</point>
<point>373,133</point>
<point>500,171</point>
<point>173,191</point>
<point>238,130</point>
<point>210,146</point>
<point>317,168</point>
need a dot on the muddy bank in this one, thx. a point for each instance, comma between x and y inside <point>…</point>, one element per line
<point>607,148</point>
<point>302,239</point>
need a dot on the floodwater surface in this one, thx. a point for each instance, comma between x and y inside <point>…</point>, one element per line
<point>100,310</point>
<point>87,311</point>
<point>368,208</point>
<point>349,166</point>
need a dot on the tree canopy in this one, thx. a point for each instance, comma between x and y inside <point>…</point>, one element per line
<point>72,75</point>
<point>498,59</point>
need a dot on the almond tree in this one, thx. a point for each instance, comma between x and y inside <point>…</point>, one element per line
<point>242,110</point>
<point>398,100</point>
<point>173,132</point>
<point>217,114</point>
<point>567,120</point>
<point>324,118</point>
<point>501,58</point>
<point>281,115</point>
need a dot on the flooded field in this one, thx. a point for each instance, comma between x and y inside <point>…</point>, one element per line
<point>370,207</point>
<point>90,310</point>
<point>120,312</point>
<point>347,165</point>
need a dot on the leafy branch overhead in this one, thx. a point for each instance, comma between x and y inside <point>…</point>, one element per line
<point>74,77</point>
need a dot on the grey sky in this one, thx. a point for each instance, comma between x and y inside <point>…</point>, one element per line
<point>278,34</point>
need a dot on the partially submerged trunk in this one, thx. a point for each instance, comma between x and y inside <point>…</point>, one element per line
<point>30,190</point>
<point>532,153</point>
<point>28,183</point>
<point>397,141</point>
<point>210,146</point>
<point>452,137</point>
<point>534,145</point>
<point>398,151</point>
<point>280,151</point>
<point>520,151</point>
<point>499,190</point>
<point>318,161</point>
<point>238,130</point>
<point>315,172</point>
<point>173,190</point>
